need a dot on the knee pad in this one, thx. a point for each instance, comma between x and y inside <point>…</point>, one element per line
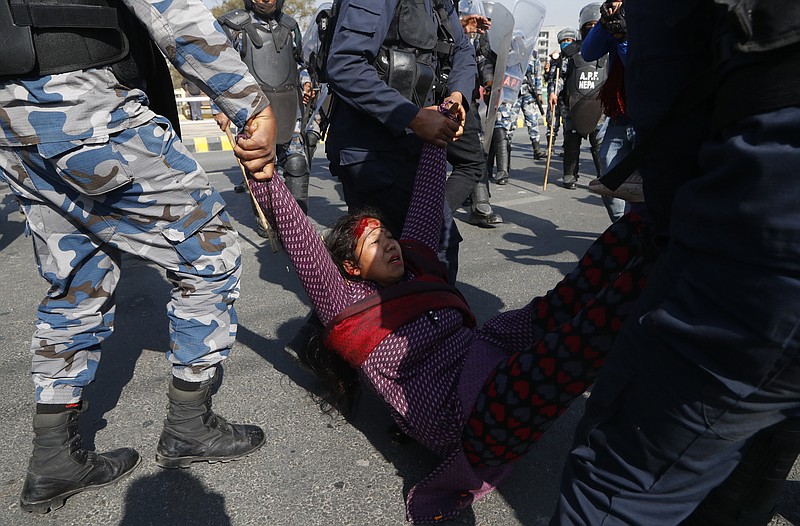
<point>296,165</point>
<point>312,139</point>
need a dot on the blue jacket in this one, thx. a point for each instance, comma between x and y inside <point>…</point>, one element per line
<point>599,42</point>
<point>371,116</point>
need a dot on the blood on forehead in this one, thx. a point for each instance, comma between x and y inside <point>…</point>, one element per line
<point>363,224</point>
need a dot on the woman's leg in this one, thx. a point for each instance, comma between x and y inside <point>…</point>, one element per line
<point>525,394</point>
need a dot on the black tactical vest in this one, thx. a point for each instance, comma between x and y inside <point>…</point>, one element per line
<point>50,38</point>
<point>405,60</point>
<point>266,48</point>
<point>268,52</point>
<point>582,89</point>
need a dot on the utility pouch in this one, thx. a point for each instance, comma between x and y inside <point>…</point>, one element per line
<point>401,71</point>
<point>18,56</point>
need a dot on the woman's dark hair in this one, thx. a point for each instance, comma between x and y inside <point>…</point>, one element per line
<point>341,240</point>
<point>340,386</point>
<point>339,379</point>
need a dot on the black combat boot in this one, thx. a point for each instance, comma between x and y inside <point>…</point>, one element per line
<point>538,153</point>
<point>502,152</point>
<point>490,159</point>
<point>481,213</point>
<point>60,468</point>
<point>194,433</point>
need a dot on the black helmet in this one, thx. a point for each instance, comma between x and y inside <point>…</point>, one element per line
<point>588,17</point>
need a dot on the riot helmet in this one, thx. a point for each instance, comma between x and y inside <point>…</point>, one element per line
<point>566,37</point>
<point>471,7</point>
<point>588,17</point>
<point>488,7</point>
<point>566,33</point>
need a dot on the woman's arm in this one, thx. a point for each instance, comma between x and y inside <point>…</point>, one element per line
<point>324,285</point>
<point>424,217</point>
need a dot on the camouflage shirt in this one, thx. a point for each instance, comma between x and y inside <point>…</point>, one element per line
<point>92,104</point>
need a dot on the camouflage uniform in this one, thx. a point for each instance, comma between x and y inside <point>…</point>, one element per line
<point>530,92</point>
<point>98,174</point>
<point>500,150</point>
<point>507,116</point>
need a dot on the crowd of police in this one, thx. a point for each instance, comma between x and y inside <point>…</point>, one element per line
<point>697,404</point>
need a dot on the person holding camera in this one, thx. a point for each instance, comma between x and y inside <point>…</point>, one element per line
<point>609,37</point>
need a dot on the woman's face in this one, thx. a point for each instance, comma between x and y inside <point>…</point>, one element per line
<point>379,256</point>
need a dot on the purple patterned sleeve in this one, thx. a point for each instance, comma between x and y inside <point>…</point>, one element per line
<point>326,288</point>
<point>424,217</point>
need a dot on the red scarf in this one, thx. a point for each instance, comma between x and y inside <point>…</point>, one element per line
<point>358,329</point>
<point>612,93</point>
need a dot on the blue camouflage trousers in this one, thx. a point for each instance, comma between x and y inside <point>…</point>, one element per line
<point>86,202</point>
<point>531,113</point>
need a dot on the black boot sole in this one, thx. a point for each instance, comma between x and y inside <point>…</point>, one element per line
<point>485,221</point>
<point>42,507</point>
<point>185,462</point>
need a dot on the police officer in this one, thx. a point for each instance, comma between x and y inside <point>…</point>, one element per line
<point>270,43</point>
<point>389,61</point>
<point>469,177</point>
<point>711,360</point>
<point>617,134</point>
<point>195,108</point>
<point>103,174</point>
<point>530,95</point>
<point>500,148</point>
<point>581,110</point>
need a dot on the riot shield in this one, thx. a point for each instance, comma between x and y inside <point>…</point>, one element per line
<point>312,41</point>
<point>517,62</point>
<point>528,18</point>
<point>500,41</point>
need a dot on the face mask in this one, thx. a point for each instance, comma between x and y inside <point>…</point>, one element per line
<point>564,45</point>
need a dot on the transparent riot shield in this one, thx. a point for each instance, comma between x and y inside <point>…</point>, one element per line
<point>528,19</point>
<point>499,36</point>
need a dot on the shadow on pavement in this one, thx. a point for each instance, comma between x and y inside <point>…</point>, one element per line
<point>173,497</point>
<point>12,222</point>
<point>142,324</point>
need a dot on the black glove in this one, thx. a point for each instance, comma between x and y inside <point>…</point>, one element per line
<point>613,22</point>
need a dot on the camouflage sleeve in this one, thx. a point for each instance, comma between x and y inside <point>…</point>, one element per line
<point>186,32</point>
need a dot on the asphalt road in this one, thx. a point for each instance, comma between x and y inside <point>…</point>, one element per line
<point>314,469</point>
